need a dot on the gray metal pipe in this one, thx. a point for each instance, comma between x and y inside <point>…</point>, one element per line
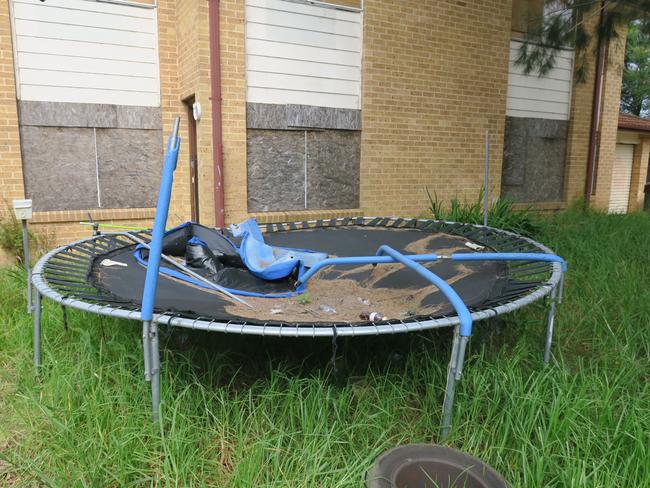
<point>26,262</point>
<point>37,330</point>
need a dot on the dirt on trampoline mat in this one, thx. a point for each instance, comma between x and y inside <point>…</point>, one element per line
<point>343,300</point>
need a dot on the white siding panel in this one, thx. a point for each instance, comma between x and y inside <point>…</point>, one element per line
<point>531,95</point>
<point>95,35</point>
<point>87,65</point>
<point>563,60</point>
<point>302,54</point>
<point>512,112</point>
<point>621,178</point>
<point>86,80</point>
<point>302,83</point>
<point>285,6</point>
<point>302,37</point>
<point>89,95</point>
<point>86,52</point>
<point>270,95</point>
<point>304,68</point>
<point>94,6</point>
<point>280,18</point>
<point>282,50</point>
<point>70,16</point>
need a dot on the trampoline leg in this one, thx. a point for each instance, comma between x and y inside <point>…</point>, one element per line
<point>549,326</point>
<point>146,348</point>
<point>454,372</point>
<point>155,371</point>
<point>37,329</point>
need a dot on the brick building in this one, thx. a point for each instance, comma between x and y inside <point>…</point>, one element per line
<point>291,109</point>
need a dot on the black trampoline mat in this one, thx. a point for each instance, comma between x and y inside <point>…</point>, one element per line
<point>415,298</point>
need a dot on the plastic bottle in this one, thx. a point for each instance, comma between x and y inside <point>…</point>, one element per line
<point>372,316</point>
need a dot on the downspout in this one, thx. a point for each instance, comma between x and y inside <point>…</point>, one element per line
<point>217,136</point>
<point>596,108</point>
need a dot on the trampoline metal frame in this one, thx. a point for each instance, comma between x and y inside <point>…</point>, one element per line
<point>553,287</point>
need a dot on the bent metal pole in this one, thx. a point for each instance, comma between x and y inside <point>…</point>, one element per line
<point>149,327</point>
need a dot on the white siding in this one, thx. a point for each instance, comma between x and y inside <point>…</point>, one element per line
<point>303,54</point>
<point>546,97</point>
<point>86,52</point>
<point>619,196</point>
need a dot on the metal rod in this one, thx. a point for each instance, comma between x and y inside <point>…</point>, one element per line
<point>155,371</point>
<point>450,388</point>
<point>37,330</point>
<point>28,268</point>
<point>146,348</point>
<point>112,226</point>
<point>193,274</point>
<point>486,192</point>
<point>549,326</point>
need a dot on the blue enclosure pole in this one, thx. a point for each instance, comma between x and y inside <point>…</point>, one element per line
<point>150,339</point>
<point>461,331</point>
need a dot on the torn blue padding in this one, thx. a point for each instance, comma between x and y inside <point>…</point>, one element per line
<point>195,241</point>
<point>269,262</point>
<point>174,273</point>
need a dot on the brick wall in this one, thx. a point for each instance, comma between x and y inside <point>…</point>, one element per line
<point>233,110</point>
<point>434,79</point>
<point>579,125</point>
<point>191,66</point>
<point>609,120</point>
<point>56,227</point>
<point>11,170</point>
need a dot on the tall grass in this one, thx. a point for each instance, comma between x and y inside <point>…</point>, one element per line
<point>501,213</point>
<point>246,411</point>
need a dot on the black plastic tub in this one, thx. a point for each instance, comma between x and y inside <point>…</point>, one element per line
<point>431,466</point>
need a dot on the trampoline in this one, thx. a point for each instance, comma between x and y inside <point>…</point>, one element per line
<point>342,277</point>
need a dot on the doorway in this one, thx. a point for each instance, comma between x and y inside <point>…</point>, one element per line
<point>194,161</point>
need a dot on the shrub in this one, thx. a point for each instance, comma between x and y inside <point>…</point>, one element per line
<point>501,214</point>
<point>11,237</point>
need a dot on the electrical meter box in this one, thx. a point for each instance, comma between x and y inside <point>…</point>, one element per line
<point>23,209</point>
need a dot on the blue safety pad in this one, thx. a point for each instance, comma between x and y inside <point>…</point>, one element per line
<point>270,262</point>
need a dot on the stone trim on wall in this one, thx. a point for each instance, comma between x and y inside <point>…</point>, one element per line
<point>301,215</point>
<point>286,117</point>
<point>60,114</point>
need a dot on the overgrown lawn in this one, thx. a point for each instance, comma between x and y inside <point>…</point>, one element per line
<point>254,412</point>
